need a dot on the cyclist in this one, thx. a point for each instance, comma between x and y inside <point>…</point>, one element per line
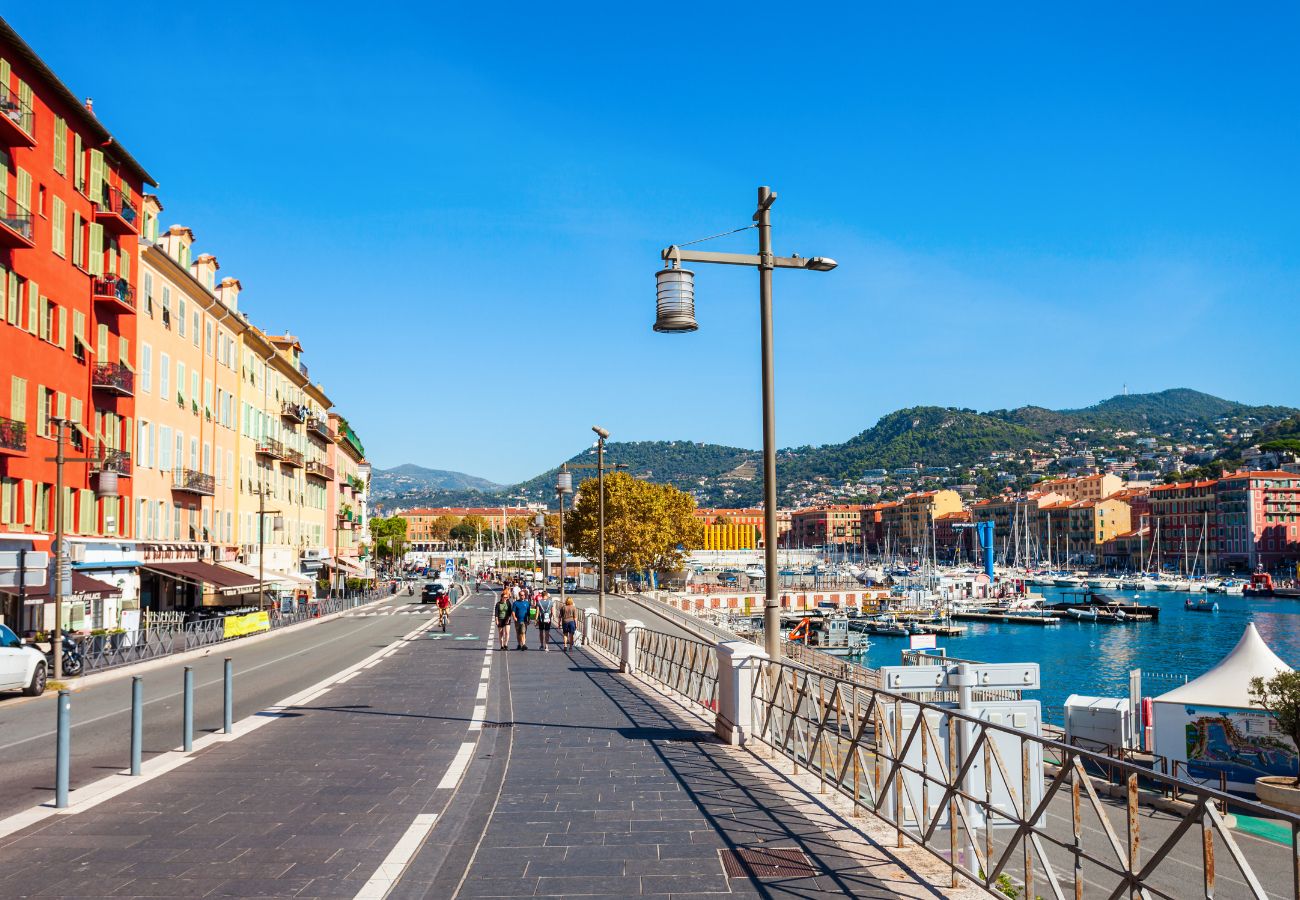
<point>444,609</point>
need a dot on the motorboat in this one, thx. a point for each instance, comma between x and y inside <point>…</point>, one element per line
<point>1205,604</point>
<point>1083,615</point>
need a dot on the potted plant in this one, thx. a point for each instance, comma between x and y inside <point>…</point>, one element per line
<point>1280,695</point>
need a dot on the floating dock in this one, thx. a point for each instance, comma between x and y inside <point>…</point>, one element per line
<point>1012,618</point>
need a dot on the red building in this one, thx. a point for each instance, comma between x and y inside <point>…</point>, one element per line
<point>826,525</point>
<point>1257,521</point>
<point>68,241</point>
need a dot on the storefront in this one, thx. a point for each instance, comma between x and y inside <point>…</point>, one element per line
<point>82,609</point>
<point>185,577</point>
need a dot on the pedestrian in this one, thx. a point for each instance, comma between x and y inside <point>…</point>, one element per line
<point>503,612</point>
<point>520,609</point>
<point>569,623</point>
<point>545,609</point>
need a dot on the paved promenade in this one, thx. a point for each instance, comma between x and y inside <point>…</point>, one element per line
<point>437,767</point>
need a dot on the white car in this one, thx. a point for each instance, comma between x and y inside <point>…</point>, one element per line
<point>22,667</point>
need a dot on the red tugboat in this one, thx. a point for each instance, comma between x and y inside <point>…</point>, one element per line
<point>1261,585</point>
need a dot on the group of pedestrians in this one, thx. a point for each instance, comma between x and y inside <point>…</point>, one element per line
<point>521,606</point>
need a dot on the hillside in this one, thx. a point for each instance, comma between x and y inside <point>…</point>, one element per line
<point>409,477</point>
<point>1159,431</point>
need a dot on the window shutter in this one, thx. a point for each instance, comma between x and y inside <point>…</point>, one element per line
<point>29,501</point>
<point>76,238</point>
<point>79,326</point>
<point>63,327</point>
<point>6,500</point>
<point>68,521</point>
<point>23,191</point>
<point>75,412</point>
<point>78,164</point>
<point>43,319</point>
<point>60,405</point>
<point>124,267</point>
<point>97,175</point>
<point>60,145</point>
<point>15,298</point>
<point>25,96</point>
<point>18,399</point>
<point>87,504</point>
<point>95,264</point>
<point>58,219</point>
<point>124,352</point>
<point>4,74</point>
<point>41,424</point>
<point>101,343</point>
<point>33,307</point>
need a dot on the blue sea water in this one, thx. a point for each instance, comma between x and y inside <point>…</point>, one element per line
<point>1094,659</point>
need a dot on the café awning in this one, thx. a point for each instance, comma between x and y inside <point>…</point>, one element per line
<point>83,588</point>
<point>222,579</point>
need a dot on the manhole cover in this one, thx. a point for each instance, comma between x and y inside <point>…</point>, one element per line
<point>767,862</point>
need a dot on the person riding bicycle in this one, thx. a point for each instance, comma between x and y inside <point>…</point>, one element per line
<point>444,609</point>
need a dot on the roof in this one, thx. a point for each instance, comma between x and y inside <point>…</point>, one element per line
<point>83,586</point>
<point>1272,473</point>
<point>221,578</point>
<point>85,117</point>
<point>1228,683</point>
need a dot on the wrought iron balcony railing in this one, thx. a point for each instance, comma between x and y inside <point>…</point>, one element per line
<point>320,470</point>
<point>114,377</point>
<point>293,412</point>
<point>193,482</point>
<point>13,435</point>
<point>270,447</point>
<point>319,427</point>
<point>17,118</point>
<point>112,288</point>
<point>291,457</point>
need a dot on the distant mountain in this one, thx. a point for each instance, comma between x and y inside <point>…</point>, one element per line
<point>961,440</point>
<point>387,483</point>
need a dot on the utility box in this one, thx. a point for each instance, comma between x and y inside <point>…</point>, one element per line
<point>1100,723</point>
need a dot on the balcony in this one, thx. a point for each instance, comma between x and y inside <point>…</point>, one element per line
<point>318,469</point>
<point>118,461</point>
<point>15,224</point>
<point>115,212</point>
<point>17,120</point>
<point>113,377</point>
<point>318,427</point>
<point>114,290</point>
<point>270,447</point>
<point>13,436</point>
<point>292,458</point>
<point>189,481</point>
<point>292,412</point>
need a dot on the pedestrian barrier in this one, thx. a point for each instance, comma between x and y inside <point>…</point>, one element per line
<point>1007,809</point>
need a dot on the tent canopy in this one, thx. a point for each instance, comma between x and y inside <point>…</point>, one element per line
<point>1228,683</point>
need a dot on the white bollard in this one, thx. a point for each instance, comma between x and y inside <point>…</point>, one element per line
<point>627,660</point>
<point>738,663</point>
<point>589,624</point>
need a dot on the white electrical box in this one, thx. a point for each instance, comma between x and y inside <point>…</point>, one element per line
<point>1099,723</point>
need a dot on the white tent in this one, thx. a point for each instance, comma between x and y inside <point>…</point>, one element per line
<point>1210,725</point>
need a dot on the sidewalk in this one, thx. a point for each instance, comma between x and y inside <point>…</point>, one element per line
<point>420,775</point>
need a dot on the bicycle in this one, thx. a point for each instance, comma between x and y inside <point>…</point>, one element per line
<point>444,618</point>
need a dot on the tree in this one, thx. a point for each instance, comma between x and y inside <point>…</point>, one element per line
<point>1280,695</point>
<point>441,527</point>
<point>645,524</point>
<point>389,536</point>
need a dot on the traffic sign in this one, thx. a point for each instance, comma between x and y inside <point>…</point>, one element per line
<point>35,578</point>
<point>31,559</point>
<point>449,565</point>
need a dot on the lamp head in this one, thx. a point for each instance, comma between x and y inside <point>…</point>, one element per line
<point>822,264</point>
<point>675,300</point>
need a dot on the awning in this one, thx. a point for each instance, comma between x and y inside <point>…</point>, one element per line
<point>285,581</point>
<point>83,588</point>
<point>344,566</point>
<point>225,581</point>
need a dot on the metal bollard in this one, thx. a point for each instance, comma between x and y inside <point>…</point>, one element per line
<point>187,713</point>
<point>63,750</point>
<point>137,722</point>
<point>228,706</point>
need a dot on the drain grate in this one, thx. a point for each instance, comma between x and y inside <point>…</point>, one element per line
<point>498,724</point>
<point>766,862</point>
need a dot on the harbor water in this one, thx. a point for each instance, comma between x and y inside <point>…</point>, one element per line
<point>1094,659</point>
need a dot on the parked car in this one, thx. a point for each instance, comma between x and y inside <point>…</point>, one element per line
<point>22,666</point>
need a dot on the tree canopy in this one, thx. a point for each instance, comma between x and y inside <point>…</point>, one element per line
<point>645,523</point>
<point>389,535</point>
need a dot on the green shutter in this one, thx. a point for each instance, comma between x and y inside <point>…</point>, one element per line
<point>23,190</point>
<point>42,319</point>
<point>79,326</point>
<point>40,410</point>
<point>78,164</point>
<point>95,264</point>
<point>15,298</point>
<point>76,238</point>
<point>60,145</point>
<point>33,302</point>
<point>29,501</point>
<point>18,399</point>
<point>58,219</point>
<point>87,503</point>
<point>63,327</point>
<point>124,267</point>
<point>101,343</point>
<point>97,175</point>
<point>4,74</point>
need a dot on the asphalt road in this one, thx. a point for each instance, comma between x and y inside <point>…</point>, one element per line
<point>264,673</point>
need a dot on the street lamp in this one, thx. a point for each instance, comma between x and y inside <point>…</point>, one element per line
<point>563,485</point>
<point>105,489</point>
<point>675,314</point>
<point>601,436</point>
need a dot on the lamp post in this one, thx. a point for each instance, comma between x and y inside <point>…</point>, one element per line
<point>563,485</point>
<point>262,512</point>
<point>105,488</point>
<point>601,436</point>
<point>675,314</point>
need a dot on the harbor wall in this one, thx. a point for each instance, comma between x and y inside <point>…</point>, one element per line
<point>862,600</point>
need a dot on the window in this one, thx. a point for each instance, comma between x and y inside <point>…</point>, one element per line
<point>148,292</point>
<point>78,164</point>
<point>180,382</point>
<point>18,399</point>
<point>196,328</point>
<point>180,308</point>
<point>146,368</point>
<point>194,386</point>
<point>60,145</point>
<point>207,338</point>
<point>165,448</point>
<point>164,376</point>
<point>142,445</point>
<point>58,217</point>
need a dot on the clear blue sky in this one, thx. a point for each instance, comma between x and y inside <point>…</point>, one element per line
<point>459,208</point>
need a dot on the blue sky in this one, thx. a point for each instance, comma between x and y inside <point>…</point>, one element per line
<point>459,209</point>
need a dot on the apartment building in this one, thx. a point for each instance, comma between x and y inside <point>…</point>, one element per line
<point>348,505</point>
<point>826,525</point>
<point>739,529</point>
<point>1083,487</point>
<point>69,202</point>
<point>1256,523</point>
<point>1183,515</point>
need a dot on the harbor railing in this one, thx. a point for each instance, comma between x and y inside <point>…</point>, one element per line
<point>1015,812</point>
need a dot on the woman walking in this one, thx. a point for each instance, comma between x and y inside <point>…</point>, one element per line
<point>503,612</point>
<point>545,610</point>
<point>569,623</point>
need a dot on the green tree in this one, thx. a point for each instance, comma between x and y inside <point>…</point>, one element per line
<point>1280,695</point>
<point>645,523</point>
<point>442,526</point>
<point>389,536</point>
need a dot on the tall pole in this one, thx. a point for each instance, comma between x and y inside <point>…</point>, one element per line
<point>58,550</point>
<point>771,604</point>
<point>563,564</point>
<point>600,482</point>
<point>261,546</point>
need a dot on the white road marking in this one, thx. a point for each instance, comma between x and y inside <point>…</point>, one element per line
<point>459,763</point>
<point>351,675</point>
<point>476,721</point>
<point>395,863</point>
<point>482,691</point>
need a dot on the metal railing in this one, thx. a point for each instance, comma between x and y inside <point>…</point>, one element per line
<point>606,634</point>
<point>319,469</point>
<point>270,447</point>
<point>294,412</point>
<point>112,460</point>
<point>292,457</point>
<point>116,203</point>
<point>16,217</point>
<point>193,482</point>
<point>978,803</point>
<point>15,110</point>
<point>13,434</point>
<point>318,426</point>
<point>113,376</point>
<point>114,288</point>
<point>680,664</point>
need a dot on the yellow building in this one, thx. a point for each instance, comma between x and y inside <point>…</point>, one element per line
<point>730,536</point>
<point>911,520</point>
<point>1083,487</point>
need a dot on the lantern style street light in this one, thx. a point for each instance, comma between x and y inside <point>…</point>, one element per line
<point>563,485</point>
<point>675,314</point>
<point>601,436</point>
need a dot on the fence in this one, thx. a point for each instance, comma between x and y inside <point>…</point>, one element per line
<point>605,633</point>
<point>166,634</point>
<point>688,667</point>
<point>976,801</point>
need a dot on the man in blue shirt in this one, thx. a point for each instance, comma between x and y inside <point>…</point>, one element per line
<point>519,612</point>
